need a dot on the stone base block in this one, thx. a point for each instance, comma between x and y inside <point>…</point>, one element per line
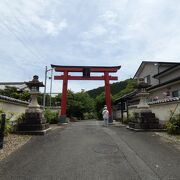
<point>37,132</point>
<point>144,120</point>
<point>62,120</point>
<point>32,127</point>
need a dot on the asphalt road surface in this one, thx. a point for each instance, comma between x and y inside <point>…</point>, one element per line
<point>88,151</point>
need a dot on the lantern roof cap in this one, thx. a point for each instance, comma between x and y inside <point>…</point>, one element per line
<point>34,82</point>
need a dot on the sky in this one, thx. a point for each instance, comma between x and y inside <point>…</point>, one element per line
<point>38,33</point>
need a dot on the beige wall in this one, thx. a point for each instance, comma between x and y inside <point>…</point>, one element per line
<point>16,108</point>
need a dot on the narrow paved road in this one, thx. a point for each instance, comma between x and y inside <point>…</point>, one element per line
<point>88,151</point>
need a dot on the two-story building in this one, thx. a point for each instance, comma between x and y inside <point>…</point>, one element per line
<point>164,90</point>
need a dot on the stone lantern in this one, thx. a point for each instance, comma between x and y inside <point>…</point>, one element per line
<point>144,118</point>
<point>34,122</point>
<point>143,94</point>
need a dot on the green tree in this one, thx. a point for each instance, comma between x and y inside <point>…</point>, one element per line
<point>25,96</point>
<point>78,104</point>
<point>14,93</point>
<point>115,88</point>
<point>100,101</point>
<point>131,85</point>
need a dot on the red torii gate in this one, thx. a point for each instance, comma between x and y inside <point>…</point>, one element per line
<point>86,70</point>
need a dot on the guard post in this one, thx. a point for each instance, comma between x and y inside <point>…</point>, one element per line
<point>3,120</point>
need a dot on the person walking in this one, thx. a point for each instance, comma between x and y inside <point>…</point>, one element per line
<point>105,114</point>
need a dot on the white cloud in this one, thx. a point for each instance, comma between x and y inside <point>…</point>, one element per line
<point>109,17</point>
<point>54,28</point>
<point>104,32</point>
<point>97,30</point>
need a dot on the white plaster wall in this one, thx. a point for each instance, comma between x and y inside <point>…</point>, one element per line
<point>15,108</point>
<point>162,111</point>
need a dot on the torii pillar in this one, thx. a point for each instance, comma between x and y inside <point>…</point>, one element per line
<point>86,70</point>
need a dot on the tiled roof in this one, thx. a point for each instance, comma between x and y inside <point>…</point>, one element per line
<point>13,100</point>
<point>165,100</point>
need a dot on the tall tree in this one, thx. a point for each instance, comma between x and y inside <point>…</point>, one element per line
<point>78,104</point>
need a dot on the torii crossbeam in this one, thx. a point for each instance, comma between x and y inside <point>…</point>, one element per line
<point>86,75</point>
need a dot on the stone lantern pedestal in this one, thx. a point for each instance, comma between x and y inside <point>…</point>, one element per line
<point>144,118</point>
<point>34,122</point>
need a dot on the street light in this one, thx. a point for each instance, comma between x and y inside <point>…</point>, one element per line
<point>45,82</point>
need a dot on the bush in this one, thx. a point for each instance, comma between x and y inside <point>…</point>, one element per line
<point>21,118</point>
<point>173,125</point>
<point>89,115</point>
<point>51,117</point>
<point>126,120</point>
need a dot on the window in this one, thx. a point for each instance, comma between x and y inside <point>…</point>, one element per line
<point>147,79</point>
<point>176,93</point>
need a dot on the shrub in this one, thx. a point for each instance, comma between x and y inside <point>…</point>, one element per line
<point>89,115</point>
<point>51,117</point>
<point>21,118</point>
<point>173,125</point>
<point>126,120</point>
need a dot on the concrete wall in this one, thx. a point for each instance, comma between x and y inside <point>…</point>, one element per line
<point>14,107</point>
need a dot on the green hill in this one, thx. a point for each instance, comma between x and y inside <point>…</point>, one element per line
<point>117,89</point>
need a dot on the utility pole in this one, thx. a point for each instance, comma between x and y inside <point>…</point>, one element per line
<point>51,86</point>
<point>45,83</point>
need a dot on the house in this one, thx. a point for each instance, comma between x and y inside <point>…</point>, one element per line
<point>163,78</point>
<point>164,90</point>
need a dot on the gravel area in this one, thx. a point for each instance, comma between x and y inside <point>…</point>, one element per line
<point>11,143</point>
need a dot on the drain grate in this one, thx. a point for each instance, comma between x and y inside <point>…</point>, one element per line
<point>106,149</point>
